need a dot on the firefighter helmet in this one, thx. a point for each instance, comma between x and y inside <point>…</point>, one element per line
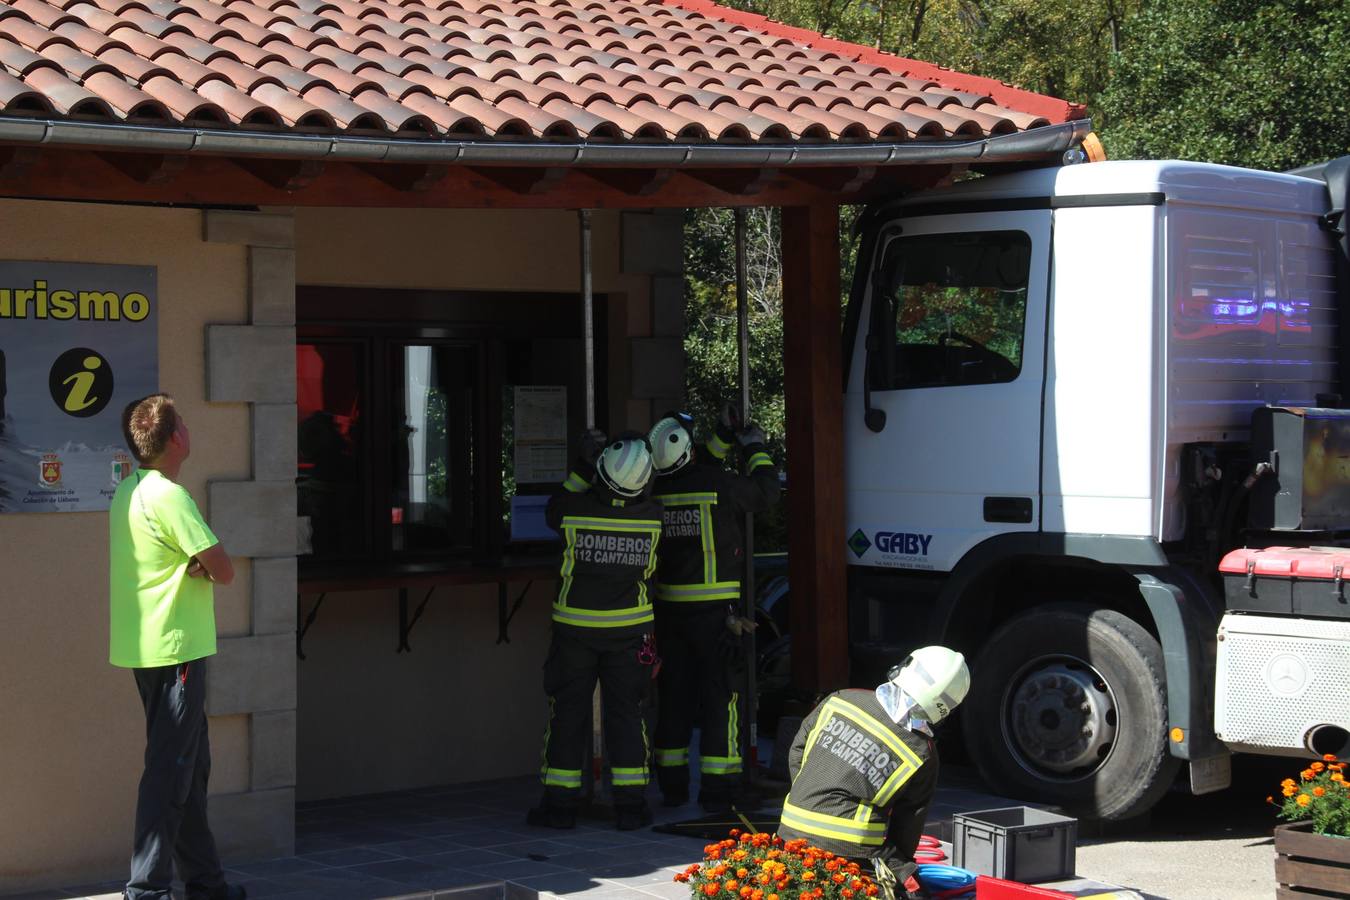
<point>935,678</point>
<point>625,465</point>
<point>672,441</point>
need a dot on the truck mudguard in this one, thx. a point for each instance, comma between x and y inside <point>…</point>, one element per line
<point>1184,611</point>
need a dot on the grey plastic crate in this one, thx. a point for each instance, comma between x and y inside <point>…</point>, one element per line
<point>1019,843</point>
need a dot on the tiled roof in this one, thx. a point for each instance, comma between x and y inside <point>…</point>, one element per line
<point>595,70</point>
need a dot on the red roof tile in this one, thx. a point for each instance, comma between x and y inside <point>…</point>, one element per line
<point>601,70</point>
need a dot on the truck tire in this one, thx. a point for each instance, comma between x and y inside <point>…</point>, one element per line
<point>1068,706</point>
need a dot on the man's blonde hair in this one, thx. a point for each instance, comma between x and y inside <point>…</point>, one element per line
<point>147,424</point>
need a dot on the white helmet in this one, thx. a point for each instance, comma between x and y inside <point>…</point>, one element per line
<point>935,678</point>
<point>672,440</point>
<point>625,465</point>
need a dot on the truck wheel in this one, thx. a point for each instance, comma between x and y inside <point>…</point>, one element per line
<point>1068,706</point>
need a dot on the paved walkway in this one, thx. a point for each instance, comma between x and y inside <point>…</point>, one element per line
<point>470,841</point>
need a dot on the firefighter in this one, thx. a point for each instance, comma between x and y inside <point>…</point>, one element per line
<point>602,624</point>
<point>864,766</point>
<point>698,595</point>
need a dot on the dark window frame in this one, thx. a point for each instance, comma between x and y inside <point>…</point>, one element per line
<point>886,371</point>
<point>383,321</point>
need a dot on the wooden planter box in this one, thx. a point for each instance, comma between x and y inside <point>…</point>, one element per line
<point>1310,865</point>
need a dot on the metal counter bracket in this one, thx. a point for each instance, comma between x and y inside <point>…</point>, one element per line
<point>503,616</point>
<point>405,625</point>
<point>309,620</point>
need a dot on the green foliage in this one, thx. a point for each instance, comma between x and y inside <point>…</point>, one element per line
<point>1247,82</point>
<point>1322,795</point>
<point>1243,82</point>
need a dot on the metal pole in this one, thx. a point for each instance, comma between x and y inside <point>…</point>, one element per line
<point>749,706</point>
<point>588,314</point>
<point>598,789</point>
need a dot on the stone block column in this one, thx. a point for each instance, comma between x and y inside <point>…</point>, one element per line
<point>255,675</point>
<point>653,245</point>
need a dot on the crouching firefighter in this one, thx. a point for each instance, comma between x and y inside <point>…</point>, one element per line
<point>602,624</point>
<point>698,595</point>
<point>864,767</point>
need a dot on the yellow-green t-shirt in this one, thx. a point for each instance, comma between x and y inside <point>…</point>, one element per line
<point>160,616</point>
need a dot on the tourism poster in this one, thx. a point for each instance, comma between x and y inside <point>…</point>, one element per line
<point>78,342</point>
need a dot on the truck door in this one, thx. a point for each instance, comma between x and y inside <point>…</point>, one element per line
<point>951,343</point>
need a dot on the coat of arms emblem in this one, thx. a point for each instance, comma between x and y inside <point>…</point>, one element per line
<point>49,470</point>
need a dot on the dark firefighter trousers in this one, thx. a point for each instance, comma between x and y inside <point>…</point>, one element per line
<point>577,658</point>
<point>171,802</point>
<point>698,686</point>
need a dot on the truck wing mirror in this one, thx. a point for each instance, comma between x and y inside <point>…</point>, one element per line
<point>873,418</point>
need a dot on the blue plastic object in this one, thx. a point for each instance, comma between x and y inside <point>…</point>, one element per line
<point>936,877</point>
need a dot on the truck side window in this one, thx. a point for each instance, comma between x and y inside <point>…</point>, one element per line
<point>950,309</point>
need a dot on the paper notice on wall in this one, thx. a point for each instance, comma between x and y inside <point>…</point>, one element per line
<point>540,433</point>
<point>77,343</point>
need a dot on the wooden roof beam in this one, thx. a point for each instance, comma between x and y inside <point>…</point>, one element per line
<point>147,168</point>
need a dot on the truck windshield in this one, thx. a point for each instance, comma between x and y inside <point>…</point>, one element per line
<point>949,309</point>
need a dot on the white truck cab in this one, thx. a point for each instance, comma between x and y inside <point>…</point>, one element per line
<point>1051,380</point>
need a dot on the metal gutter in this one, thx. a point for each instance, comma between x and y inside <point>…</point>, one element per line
<point>1048,139</point>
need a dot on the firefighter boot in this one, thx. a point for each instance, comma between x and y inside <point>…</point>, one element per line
<point>547,815</point>
<point>631,817</point>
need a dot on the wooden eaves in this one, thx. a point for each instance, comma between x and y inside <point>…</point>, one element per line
<point>131,170</point>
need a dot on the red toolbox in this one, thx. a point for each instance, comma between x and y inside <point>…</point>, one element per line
<point>988,888</point>
<point>1289,581</point>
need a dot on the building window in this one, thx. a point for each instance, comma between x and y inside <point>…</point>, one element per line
<point>950,309</point>
<point>433,461</point>
<point>404,431</point>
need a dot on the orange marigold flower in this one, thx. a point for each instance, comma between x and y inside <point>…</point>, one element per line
<point>837,878</point>
<point>742,872</point>
<point>746,892</point>
<point>872,890</point>
<point>846,893</point>
<point>856,884</point>
<point>808,875</point>
<point>1288,782</point>
<point>718,871</point>
<point>1307,774</point>
<point>734,832</point>
<point>739,854</point>
<point>832,865</point>
<point>732,884</point>
<point>1329,757</point>
<point>1289,790</point>
<point>714,854</point>
<point>1317,766</point>
<point>771,897</point>
<point>763,879</point>
<point>1303,800</point>
<point>711,888</point>
<point>808,860</point>
<point>745,837</point>
<point>693,869</point>
<point>1337,776</point>
<point>756,894</point>
<point>1319,791</point>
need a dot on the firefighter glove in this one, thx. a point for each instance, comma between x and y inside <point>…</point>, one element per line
<point>592,443</point>
<point>750,435</point>
<point>728,421</point>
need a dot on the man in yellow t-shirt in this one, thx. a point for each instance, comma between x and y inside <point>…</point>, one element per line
<point>163,563</point>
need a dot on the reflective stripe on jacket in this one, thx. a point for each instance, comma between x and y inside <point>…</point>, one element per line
<point>608,559</point>
<point>702,541</point>
<point>859,780</point>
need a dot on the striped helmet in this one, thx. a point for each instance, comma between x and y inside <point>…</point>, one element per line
<point>936,678</point>
<point>625,465</point>
<point>672,441</point>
